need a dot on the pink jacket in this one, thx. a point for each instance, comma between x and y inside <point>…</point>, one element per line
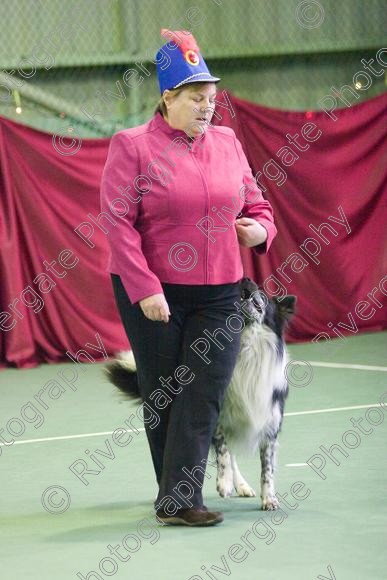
<point>172,202</point>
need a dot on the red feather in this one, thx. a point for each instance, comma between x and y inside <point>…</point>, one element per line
<point>184,39</point>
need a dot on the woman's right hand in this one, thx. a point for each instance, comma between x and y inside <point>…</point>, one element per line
<point>155,307</point>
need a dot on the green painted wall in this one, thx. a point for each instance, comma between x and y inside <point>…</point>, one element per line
<point>67,56</point>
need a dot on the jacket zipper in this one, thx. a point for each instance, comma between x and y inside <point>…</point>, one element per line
<point>206,210</point>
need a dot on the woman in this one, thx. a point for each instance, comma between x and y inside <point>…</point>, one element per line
<point>172,190</point>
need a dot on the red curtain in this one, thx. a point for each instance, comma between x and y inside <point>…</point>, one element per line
<point>335,175</point>
<point>55,297</point>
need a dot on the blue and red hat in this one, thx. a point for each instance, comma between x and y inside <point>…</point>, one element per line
<point>179,62</point>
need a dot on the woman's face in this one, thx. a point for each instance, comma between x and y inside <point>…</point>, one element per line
<point>192,109</point>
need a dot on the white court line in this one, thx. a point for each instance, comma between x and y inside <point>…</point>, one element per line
<point>316,363</point>
<point>64,437</point>
<point>296,465</point>
<point>331,410</point>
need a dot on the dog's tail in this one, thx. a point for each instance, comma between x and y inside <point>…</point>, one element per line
<point>122,373</point>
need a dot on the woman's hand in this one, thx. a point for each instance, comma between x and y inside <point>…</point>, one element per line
<point>155,307</point>
<point>250,233</point>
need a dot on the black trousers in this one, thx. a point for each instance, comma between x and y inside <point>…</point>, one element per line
<point>184,367</point>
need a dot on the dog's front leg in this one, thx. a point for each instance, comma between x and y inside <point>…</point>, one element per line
<point>268,452</point>
<point>241,486</point>
<point>224,480</point>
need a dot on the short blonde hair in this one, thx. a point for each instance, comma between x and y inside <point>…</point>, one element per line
<point>161,106</point>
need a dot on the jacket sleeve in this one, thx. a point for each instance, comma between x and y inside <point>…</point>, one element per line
<point>256,207</point>
<point>124,239</point>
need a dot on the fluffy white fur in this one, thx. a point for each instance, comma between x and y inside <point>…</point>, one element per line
<point>247,414</point>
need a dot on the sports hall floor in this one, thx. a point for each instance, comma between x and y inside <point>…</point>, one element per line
<point>337,531</point>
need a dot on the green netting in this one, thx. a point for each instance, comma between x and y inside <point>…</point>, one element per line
<point>85,66</point>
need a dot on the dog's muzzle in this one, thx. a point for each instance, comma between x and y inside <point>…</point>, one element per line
<point>253,308</point>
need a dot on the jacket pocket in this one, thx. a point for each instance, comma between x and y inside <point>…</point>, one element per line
<point>177,260</point>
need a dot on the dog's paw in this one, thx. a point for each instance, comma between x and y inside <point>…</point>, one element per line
<point>244,490</point>
<point>270,502</point>
<point>224,487</point>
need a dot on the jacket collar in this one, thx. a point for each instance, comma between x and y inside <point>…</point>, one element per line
<point>164,126</point>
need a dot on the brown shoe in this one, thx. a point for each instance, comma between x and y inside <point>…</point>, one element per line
<point>190,517</point>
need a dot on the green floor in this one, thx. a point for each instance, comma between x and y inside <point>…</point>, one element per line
<point>338,531</point>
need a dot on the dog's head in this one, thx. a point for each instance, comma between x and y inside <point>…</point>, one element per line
<point>257,308</point>
<point>253,302</point>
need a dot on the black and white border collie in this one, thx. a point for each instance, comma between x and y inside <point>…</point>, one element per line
<point>252,411</point>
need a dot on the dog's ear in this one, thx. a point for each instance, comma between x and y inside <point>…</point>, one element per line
<point>286,306</point>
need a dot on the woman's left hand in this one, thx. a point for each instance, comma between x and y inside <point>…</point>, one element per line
<point>250,232</point>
